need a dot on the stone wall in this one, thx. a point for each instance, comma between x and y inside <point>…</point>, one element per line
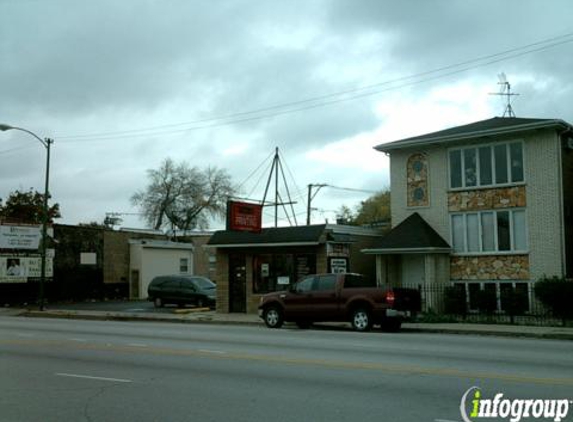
<point>487,199</point>
<point>504,267</point>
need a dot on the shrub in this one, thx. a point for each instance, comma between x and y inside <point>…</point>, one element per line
<point>557,295</point>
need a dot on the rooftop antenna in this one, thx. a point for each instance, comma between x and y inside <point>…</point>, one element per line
<point>505,90</point>
<point>277,168</point>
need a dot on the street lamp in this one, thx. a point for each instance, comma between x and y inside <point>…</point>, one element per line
<point>46,142</point>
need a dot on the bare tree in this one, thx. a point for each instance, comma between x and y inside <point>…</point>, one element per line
<point>183,197</point>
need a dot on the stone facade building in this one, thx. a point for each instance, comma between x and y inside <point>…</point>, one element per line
<point>499,195</point>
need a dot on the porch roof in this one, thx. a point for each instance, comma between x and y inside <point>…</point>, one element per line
<point>413,235</point>
<point>274,236</point>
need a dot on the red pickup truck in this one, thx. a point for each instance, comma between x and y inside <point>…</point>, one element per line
<point>339,297</point>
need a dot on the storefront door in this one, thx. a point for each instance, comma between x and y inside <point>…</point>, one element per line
<point>237,284</point>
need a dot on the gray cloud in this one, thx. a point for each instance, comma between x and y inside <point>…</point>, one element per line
<point>76,68</point>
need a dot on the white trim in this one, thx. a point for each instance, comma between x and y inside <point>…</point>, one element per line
<point>496,251</point>
<point>263,245</point>
<point>393,251</point>
<point>440,139</point>
<point>491,145</point>
<point>161,244</point>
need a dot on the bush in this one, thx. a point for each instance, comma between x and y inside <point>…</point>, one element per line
<point>556,294</point>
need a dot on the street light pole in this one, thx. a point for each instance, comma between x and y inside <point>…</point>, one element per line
<point>46,142</point>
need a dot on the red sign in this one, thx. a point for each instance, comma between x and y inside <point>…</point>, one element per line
<point>243,216</point>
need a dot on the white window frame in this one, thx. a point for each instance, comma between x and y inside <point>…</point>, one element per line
<point>184,263</point>
<point>496,250</point>
<point>476,147</point>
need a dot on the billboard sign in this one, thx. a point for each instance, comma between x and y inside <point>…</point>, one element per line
<point>20,237</point>
<point>18,269</point>
<point>242,216</point>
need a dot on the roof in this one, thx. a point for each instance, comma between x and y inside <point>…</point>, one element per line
<point>160,244</point>
<point>412,235</point>
<point>276,236</point>
<point>489,127</point>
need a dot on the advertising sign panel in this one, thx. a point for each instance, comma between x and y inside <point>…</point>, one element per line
<point>243,216</point>
<point>18,269</point>
<point>20,237</point>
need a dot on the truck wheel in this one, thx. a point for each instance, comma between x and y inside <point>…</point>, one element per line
<point>391,325</point>
<point>361,320</point>
<point>158,302</point>
<point>273,317</point>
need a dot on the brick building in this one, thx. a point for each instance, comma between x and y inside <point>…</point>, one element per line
<point>497,195</point>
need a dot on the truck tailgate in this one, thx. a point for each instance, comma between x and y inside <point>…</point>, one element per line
<point>407,299</point>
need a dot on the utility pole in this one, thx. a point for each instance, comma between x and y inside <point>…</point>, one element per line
<point>310,198</point>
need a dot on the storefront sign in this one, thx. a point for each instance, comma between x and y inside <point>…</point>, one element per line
<point>20,237</point>
<point>338,249</point>
<point>338,265</point>
<point>242,216</point>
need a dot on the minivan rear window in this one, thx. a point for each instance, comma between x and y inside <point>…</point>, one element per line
<point>203,283</point>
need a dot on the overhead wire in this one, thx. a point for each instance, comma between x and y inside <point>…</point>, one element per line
<point>332,98</point>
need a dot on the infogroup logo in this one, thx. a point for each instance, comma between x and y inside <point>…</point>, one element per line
<point>475,407</point>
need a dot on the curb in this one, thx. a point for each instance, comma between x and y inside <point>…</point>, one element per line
<point>194,318</point>
<point>189,318</point>
<point>489,333</point>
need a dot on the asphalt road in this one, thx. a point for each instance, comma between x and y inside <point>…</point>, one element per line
<point>66,370</point>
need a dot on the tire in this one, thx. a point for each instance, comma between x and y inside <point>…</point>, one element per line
<point>273,317</point>
<point>361,319</point>
<point>303,325</point>
<point>158,302</point>
<point>391,325</point>
<point>200,303</point>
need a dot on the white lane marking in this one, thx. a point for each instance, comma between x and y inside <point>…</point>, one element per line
<point>89,377</point>
<point>135,310</point>
<point>217,352</point>
<point>80,340</point>
<point>137,345</point>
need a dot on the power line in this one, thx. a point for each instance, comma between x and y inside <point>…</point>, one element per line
<point>328,99</point>
<point>352,189</point>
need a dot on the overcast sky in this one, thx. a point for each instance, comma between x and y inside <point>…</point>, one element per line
<point>122,85</point>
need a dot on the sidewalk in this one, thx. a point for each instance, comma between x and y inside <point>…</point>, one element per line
<point>206,316</point>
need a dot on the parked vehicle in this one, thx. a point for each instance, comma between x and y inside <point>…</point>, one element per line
<point>339,297</point>
<point>181,290</point>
